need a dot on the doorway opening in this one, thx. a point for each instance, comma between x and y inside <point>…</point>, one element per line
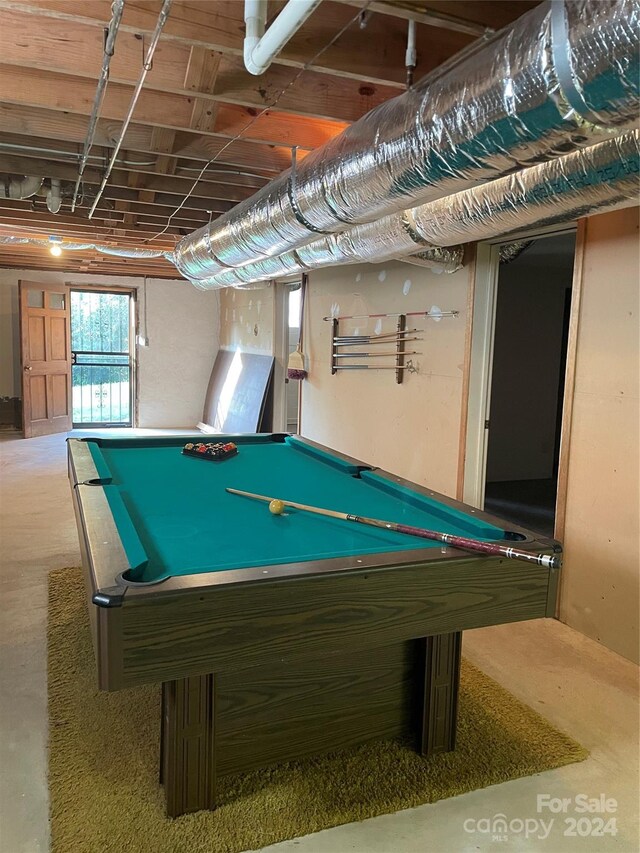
<point>526,393</point>
<point>293,334</point>
<point>102,358</point>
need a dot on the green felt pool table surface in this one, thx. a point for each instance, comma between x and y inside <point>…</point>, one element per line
<point>174,516</point>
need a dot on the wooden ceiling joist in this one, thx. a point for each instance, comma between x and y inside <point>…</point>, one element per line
<point>199,105</point>
<point>473,17</point>
<point>374,54</point>
<point>52,124</point>
<point>38,43</point>
<point>13,211</point>
<point>115,216</point>
<point>66,94</point>
<point>206,196</point>
<point>68,154</point>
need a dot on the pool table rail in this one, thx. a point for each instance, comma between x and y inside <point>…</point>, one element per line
<point>165,636</point>
<point>110,588</point>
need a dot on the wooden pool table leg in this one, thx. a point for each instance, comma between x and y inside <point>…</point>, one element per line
<point>442,677</point>
<point>162,715</point>
<point>188,765</point>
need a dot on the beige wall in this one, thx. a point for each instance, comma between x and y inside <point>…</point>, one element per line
<point>9,336</point>
<point>410,429</point>
<point>173,371</point>
<point>600,577</point>
<point>247,320</point>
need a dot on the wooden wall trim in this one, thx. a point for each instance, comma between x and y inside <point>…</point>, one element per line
<point>570,376</point>
<point>105,288</point>
<point>466,375</point>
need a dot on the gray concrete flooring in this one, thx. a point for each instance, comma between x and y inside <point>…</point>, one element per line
<point>578,685</point>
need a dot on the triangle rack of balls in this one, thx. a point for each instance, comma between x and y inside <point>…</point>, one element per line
<point>213,452</point>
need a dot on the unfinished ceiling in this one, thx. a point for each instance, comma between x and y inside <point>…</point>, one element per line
<point>197,98</point>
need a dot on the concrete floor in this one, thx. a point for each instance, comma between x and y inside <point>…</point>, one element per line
<point>578,685</point>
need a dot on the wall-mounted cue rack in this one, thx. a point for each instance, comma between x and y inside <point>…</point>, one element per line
<point>341,344</point>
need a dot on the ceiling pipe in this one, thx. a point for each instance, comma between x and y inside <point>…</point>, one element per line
<point>54,197</point>
<point>508,105</point>
<point>261,46</point>
<point>20,188</point>
<point>117,8</point>
<point>600,178</point>
<point>146,67</point>
<point>411,56</point>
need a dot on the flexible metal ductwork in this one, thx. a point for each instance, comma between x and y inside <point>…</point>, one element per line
<point>544,87</point>
<point>16,188</point>
<point>118,251</point>
<point>603,177</point>
<point>54,196</point>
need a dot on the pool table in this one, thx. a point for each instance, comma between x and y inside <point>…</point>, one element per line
<point>282,636</point>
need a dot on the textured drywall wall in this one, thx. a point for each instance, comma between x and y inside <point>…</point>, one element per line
<point>173,371</point>
<point>247,320</point>
<point>410,429</point>
<point>9,336</point>
<point>601,572</point>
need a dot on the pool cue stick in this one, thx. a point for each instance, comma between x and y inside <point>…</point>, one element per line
<point>376,337</point>
<point>447,538</point>
<point>372,343</point>
<point>373,354</point>
<point>408,367</point>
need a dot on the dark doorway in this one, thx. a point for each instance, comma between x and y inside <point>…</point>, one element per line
<point>527,385</point>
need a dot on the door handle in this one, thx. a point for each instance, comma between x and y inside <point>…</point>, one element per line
<point>28,367</point>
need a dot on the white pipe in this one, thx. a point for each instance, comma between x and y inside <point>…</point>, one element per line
<point>13,188</point>
<point>411,56</point>
<point>54,199</point>
<point>260,47</point>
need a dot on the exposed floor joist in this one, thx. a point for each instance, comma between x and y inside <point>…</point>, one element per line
<point>197,98</point>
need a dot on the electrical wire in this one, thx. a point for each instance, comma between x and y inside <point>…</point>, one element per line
<point>270,106</point>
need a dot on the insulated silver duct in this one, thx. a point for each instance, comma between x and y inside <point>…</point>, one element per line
<point>603,177</point>
<point>118,251</point>
<point>20,187</point>
<point>535,92</point>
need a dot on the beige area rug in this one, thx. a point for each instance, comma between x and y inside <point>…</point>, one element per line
<point>104,748</point>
